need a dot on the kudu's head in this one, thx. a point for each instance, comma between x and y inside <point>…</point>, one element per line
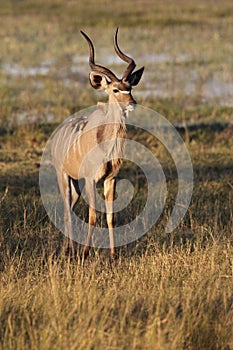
<point>102,78</point>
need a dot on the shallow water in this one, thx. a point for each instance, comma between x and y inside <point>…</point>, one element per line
<point>171,81</point>
<point>15,70</point>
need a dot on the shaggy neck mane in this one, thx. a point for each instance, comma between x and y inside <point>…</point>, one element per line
<point>116,116</point>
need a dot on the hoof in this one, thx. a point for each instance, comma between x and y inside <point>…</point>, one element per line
<point>113,257</point>
<point>71,250</point>
<point>86,251</point>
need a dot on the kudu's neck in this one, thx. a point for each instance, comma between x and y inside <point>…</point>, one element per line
<point>114,129</point>
<point>113,111</point>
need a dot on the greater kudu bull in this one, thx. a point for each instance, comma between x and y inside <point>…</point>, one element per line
<point>106,125</point>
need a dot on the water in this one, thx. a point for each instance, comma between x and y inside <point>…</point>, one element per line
<point>170,82</point>
<point>16,70</point>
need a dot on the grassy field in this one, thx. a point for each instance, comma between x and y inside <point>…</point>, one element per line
<point>166,291</point>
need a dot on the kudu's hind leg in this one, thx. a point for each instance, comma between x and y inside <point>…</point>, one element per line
<point>65,189</point>
<point>76,190</point>
<point>90,193</point>
<point>109,191</point>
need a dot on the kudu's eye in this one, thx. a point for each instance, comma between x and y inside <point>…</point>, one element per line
<point>115,91</point>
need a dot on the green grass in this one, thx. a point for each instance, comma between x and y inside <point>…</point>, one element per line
<point>46,34</point>
<point>166,291</point>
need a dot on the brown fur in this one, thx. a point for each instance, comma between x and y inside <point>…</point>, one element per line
<point>91,148</point>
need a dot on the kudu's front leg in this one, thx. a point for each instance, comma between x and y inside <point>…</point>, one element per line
<point>109,191</point>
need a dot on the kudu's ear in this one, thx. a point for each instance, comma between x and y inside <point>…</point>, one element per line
<point>135,77</point>
<point>98,81</point>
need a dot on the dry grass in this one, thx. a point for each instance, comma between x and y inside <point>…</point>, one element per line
<point>179,298</point>
<point>165,291</point>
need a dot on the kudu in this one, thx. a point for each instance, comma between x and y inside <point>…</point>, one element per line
<point>74,140</point>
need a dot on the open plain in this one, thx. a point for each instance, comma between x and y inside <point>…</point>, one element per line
<point>166,291</point>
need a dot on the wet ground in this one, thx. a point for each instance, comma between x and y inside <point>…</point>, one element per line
<point>166,77</point>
